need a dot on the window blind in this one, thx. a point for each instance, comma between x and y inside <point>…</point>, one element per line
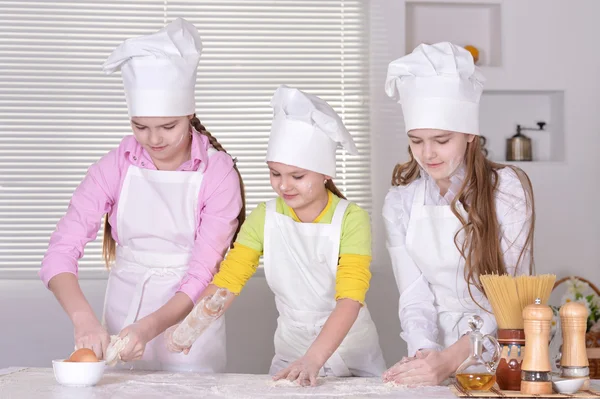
<point>59,112</point>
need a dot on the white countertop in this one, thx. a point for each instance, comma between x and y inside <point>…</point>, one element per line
<point>39,383</point>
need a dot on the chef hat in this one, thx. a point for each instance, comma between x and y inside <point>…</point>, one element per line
<point>306,131</point>
<point>438,86</point>
<point>159,70</point>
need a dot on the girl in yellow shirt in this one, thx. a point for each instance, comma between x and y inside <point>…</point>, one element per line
<point>316,247</point>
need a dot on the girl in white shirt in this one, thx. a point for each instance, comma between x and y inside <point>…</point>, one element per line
<point>451,215</point>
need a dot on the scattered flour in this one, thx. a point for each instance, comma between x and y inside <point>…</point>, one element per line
<point>394,384</point>
<point>282,383</point>
<point>126,384</point>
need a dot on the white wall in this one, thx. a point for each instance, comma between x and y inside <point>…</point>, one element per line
<point>546,45</point>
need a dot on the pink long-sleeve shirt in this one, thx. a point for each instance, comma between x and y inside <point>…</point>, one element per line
<point>219,203</point>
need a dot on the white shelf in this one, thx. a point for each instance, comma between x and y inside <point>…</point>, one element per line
<point>476,23</point>
<point>503,79</point>
<point>502,111</point>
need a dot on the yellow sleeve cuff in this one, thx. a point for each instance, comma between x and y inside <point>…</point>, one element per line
<point>353,277</point>
<point>237,268</point>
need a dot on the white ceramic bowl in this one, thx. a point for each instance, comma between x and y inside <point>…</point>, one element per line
<point>78,374</point>
<point>568,385</point>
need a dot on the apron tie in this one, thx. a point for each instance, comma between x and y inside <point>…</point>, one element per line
<point>337,365</point>
<point>134,306</point>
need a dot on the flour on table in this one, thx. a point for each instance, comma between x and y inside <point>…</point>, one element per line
<point>282,383</point>
<point>394,384</point>
<point>119,384</point>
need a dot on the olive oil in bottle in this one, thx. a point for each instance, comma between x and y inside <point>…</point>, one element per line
<point>476,382</point>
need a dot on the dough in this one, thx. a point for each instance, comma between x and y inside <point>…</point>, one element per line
<point>113,352</point>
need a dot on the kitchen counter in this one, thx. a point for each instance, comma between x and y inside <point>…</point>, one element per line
<point>39,383</point>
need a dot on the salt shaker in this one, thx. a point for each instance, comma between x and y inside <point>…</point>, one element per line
<point>574,361</point>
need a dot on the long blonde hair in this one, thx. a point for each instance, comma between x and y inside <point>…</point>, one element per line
<point>481,245</point>
<point>109,246</point>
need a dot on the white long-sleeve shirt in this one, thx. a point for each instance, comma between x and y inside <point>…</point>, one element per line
<point>419,307</point>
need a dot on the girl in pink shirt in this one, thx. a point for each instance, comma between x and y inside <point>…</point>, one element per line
<point>173,201</point>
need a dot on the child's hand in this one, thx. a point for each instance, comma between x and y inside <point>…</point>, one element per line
<point>387,376</point>
<point>138,338</point>
<point>429,367</point>
<point>90,334</point>
<point>172,346</point>
<point>304,371</point>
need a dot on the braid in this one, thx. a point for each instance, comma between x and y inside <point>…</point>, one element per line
<point>202,130</point>
<point>196,124</point>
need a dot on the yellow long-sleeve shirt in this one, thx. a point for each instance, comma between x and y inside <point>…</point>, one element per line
<point>353,274</point>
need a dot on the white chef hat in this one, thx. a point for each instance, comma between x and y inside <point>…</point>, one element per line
<point>439,87</point>
<point>306,131</point>
<point>159,70</point>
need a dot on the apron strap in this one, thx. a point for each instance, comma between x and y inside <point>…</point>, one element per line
<point>271,205</point>
<point>336,222</point>
<point>339,213</point>
<point>418,199</point>
<point>136,301</point>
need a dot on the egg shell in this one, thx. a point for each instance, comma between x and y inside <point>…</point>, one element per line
<point>83,355</point>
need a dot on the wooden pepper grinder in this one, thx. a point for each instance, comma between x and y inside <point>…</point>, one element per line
<point>535,370</point>
<point>574,361</point>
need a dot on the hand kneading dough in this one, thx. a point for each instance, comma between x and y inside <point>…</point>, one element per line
<point>113,353</point>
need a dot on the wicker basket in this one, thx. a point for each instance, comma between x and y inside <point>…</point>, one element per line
<point>592,339</point>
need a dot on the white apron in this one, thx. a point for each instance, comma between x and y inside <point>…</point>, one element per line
<point>430,243</point>
<point>300,261</point>
<point>156,222</point>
